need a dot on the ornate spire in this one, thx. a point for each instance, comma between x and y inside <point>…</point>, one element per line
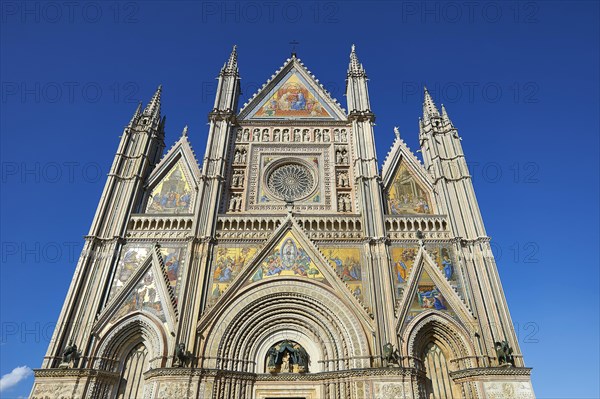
<point>153,107</point>
<point>445,116</point>
<point>136,114</point>
<point>231,66</point>
<point>397,132</point>
<point>184,133</point>
<point>429,108</point>
<point>355,68</point>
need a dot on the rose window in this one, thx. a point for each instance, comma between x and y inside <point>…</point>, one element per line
<point>291,181</point>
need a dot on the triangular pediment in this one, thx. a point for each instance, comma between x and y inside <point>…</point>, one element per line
<point>407,187</point>
<point>145,296</point>
<point>173,184</point>
<point>133,256</point>
<point>429,289</point>
<point>148,290</point>
<point>428,296</point>
<point>288,258</point>
<point>292,93</point>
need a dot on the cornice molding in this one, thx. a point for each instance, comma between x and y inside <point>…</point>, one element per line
<point>490,371</point>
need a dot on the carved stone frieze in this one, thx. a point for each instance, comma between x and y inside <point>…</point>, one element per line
<point>508,390</point>
<point>392,390</point>
<point>176,390</point>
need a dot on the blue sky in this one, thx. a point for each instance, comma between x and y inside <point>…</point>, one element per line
<point>519,79</point>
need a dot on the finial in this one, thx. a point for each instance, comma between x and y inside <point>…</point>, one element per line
<point>294,43</point>
<point>153,107</point>
<point>137,113</point>
<point>397,132</point>
<point>231,65</point>
<point>429,108</point>
<point>355,68</point>
<point>445,116</point>
<point>184,133</point>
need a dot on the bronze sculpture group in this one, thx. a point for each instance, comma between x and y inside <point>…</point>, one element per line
<point>182,357</point>
<point>504,354</point>
<point>285,356</point>
<point>70,355</point>
<point>391,355</point>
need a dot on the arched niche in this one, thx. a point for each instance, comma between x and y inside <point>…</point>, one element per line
<point>293,334</point>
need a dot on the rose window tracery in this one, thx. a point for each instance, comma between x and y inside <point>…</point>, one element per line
<point>291,181</point>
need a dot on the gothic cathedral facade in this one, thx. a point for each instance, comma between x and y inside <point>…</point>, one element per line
<point>287,265</point>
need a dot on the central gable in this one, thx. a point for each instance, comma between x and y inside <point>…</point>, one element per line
<point>293,93</point>
<point>288,258</point>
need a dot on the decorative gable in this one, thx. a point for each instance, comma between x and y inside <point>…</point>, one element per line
<point>406,195</point>
<point>428,296</point>
<point>407,186</point>
<point>293,93</point>
<point>288,258</point>
<point>149,288</point>
<point>434,283</point>
<point>173,184</point>
<point>172,194</point>
<point>145,297</point>
<point>292,98</point>
<point>133,256</point>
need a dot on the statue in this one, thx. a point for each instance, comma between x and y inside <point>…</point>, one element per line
<point>504,354</point>
<point>70,354</point>
<point>182,357</point>
<point>272,359</point>
<point>391,355</point>
<point>285,363</point>
<point>301,358</point>
<point>343,179</point>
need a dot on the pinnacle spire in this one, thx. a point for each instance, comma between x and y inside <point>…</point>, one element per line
<point>184,133</point>
<point>153,107</point>
<point>397,132</point>
<point>136,114</point>
<point>445,116</point>
<point>429,108</point>
<point>231,65</point>
<point>355,68</point>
